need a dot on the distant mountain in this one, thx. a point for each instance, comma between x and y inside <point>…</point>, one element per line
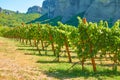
<point>34,9</point>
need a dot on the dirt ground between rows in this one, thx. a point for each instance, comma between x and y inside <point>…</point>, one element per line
<point>15,65</point>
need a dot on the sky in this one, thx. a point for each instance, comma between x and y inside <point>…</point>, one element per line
<point>19,5</point>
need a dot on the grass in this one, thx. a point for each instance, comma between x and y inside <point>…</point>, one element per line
<point>62,70</point>
<point>58,70</point>
<point>14,65</point>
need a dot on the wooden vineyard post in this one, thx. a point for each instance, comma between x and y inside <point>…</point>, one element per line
<point>115,63</point>
<point>67,49</point>
<point>42,45</point>
<point>57,53</point>
<point>35,43</point>
<point>26,41</point>
<point>93,60</point>
<point>40,38</point>
<point>52,44</point>
<point>38,47</point>
<point>83,64</point>
<point>83,60</point>
<point>84,20</point>
<point>30,42</point>
<point>23,38</point>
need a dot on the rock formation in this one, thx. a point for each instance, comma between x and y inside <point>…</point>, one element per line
<point>94,10</point>
<point>34,9</point>
<point>103,9</point>
<point>49,7</point>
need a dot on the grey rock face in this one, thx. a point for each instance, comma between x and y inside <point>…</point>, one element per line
<point>94,10</point>
<point>109,9</point>
<point>65,8</point>
<point>49,7</point>
<point>34,9</point>
<point>69,8</point>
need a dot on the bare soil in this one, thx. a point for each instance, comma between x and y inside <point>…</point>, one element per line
<point>15,65</point>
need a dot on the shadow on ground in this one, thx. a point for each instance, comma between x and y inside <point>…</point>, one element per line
<point>78,73</point>
<point>75,72</point>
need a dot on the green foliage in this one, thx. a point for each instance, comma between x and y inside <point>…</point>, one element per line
<point>74,21</point>
<point>45,20</point>
<point>12,19</point>
<point>88,39</point>
<point>40,19</point>
<point>3,30</point>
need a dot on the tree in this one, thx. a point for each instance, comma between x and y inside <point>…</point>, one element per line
<point>0,9</point>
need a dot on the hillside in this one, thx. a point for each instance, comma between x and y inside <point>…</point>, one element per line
<point>44,19</point>
<point>54,21</point>
<point>11,18</point>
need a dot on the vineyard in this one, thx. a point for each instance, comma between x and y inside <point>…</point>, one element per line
<point>89,40</point>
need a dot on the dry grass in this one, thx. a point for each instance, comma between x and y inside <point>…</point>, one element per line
<point>21,62</point>
<point>14,65</point>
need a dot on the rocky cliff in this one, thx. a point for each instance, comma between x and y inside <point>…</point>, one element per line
<point>34,9</point>
<point>65,8</point>
<point>49,7</point>
<point>103,9</point>
<point>94,10</point>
